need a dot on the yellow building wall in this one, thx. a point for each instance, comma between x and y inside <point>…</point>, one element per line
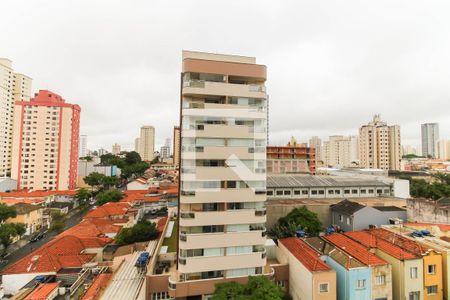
<point>432,258</point>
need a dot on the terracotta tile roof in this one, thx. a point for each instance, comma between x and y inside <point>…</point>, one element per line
<point>94,228</point>
<point>97,287</point>
<point>399,240</point>
<point>26,193</point>
<point>61,252</point>
<point>109,209</point>
<point>140,195</point>
<point>161,224</point>
<point>355,249</point>
<point>42,291</point>
<point>12,201</point>
<point>443,227</point>
<point>305,254</point>
<point>371,241</point>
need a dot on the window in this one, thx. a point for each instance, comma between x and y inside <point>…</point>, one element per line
<point>341,218</point>
<point>414,295</point>
<point>431,269</point>
<point>279,193</point>
<point>349,221</point>
<point>432,289</point>
<point>304,192</point>
<point>269,193</point>
<point>381,280</point>
<point>346,191</point>
<point>287,192</point>
<point>413,272</point>
<point>354,191</point>
<point>313,192</point>
<point>323,288</point>
<point>330,192</point>
<point>296,192</point>
<point>361,284</point>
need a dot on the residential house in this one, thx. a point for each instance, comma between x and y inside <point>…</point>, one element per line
<point>407,275</point>
<point>309,276</point>
<point>353,278</point>
<point>351,216</point>
<point>432,261</point>
<point>381,270</point>
<point>30,215</point>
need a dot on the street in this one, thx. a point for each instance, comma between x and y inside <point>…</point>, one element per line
<point>28,248</point>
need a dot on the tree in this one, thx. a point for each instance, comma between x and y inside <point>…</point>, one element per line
<point>83,195</point>
<point>58,221</point>
<point>108,181</point>
<point>132,158</point>
<point>442,177</point>
<point>135,170</point>
<point>94,179</point>
<point>112,195</point>
<point>7,212</point>
<point>300,218</point>
<point>142,231</point>
<point>257,288</point>
<point>8,231</point>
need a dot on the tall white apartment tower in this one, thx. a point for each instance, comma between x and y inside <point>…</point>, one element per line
<point>147,143</point>
<point>222,212</point>
<point>430,137</point>
<point>82,152</point>
<point>13,87</point>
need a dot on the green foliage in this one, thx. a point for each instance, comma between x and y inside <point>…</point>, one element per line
<point>142,231</point>
<point>7,212</point>
<point>135,170</point>
<point>300,218</point>
<point>108,181</point>
<point>58,221</point>
<point>410,156</point>
<point>423,189</point>
<point>257,288</point>
<point>93,179</point>
<point>155,160</point>
<point>8,231</point>
<point>112,195</point>
<point>86,158</point>
<point>132,158</point>
<point>83,195</point>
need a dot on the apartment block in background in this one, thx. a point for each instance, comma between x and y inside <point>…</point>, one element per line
<point>82,149</point>
<point>136,145</point>
<point>115,149</point>
<point>292,158</point>
<point>443,148</point>
<point>45,143</point>
<point>379,145</point>
<point>13,87</point>
<point>176,146</point>
<point>222,212</point>
<point>316,143</point>
<point>147,143</point>
<point>340,151</point>
<point>430,137</point>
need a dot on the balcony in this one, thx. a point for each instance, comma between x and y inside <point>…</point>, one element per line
<point>240,216</point>
<point>221,239</point>
<point>198,87</point>
<point>225,131</point>
<point>223,195</point>
<point>221,152</point>
<point>223,173</point>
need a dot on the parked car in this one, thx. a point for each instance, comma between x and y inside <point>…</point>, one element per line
<point>38,237</point>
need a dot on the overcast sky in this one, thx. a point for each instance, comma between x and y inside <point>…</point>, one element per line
<point>331,64</point>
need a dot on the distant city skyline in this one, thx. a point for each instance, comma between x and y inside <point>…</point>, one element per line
<point>327,75</point>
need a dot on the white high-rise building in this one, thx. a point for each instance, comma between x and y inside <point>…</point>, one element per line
<point>430,136</point>
<point>13,87</point>
<point>222,212</point>
<point>147,143</point>
<point>82,151</point>
<point>136,145</point>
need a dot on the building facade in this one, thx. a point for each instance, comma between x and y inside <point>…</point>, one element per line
<point>223,183</point>
<point>292,158</point>
<point>316,143</point>
<point>147,143</point>
<point>13,87</point>
<point>82,149</point>
<point>136,145</point>
<point>340,151</point>
<point>443,148</point>
<point>430,137</point>
<point>176,146</point>
<point>45,143</point>
<point>115,149</point>
<point>379,145</point>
